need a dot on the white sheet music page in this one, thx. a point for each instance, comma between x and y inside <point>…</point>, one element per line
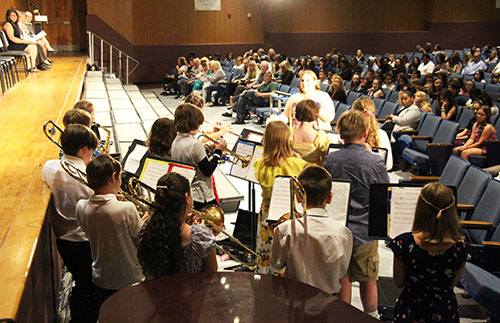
<point>243,149</point>
<point>403,204</point>
<point>257,153</point>
<point>134,159</point>
<point>255,137</point>
<point>280,198</point>
<point>339,206</point>
<point>152,171</point>
<point>187,171</point>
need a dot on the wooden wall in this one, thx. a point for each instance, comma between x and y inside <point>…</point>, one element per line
<point>6,4</point>
<point>116,13</point>
<point>465,11</point>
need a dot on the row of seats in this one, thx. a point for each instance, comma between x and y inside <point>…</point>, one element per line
<point>9,75</point>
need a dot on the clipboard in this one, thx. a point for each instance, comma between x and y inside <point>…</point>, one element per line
<point>252,135</point>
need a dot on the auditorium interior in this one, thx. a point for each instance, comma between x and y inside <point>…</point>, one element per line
<point>116,53</point>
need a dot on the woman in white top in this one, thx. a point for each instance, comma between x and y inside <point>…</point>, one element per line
<point>310,90</point>
<point>376,137</point>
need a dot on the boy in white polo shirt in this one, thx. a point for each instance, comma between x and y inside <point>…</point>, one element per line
<point>112,228</point>
<point>315,249</point>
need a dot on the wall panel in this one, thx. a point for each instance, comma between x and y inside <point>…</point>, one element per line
<point>465,10</point>
<point>115,13</point>
<point>6,4</point>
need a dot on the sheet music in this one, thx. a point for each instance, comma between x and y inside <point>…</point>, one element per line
<point>339,206</point>
<point>243,149</point>
<point>280,198</point>
<point>255,137</point>
<point>403,204</point>
<point>257,153</point>
<point>153,170</point>
<point>187,171</point>
<point>134,158</point>
<point>40,35</point>
<point>334,138</point>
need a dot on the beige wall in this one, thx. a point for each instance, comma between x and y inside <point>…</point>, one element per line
<point>116,13</point>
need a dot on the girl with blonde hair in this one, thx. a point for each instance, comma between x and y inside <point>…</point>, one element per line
<point>277,159</point>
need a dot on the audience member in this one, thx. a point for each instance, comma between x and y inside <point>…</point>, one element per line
<point>475,65</point>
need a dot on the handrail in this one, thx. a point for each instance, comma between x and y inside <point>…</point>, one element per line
<point>91,37</point>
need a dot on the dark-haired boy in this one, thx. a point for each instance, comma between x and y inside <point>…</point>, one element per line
<point>78,143</point>
<point>112,228</point>
<point>362,168</point>
<point>315,249</point>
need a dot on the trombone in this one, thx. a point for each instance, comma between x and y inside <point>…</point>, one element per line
<point>227,154</point>
<point>81,177</point>
<point>296,191</point>
<point>212,215</point>
<point>54,132</point>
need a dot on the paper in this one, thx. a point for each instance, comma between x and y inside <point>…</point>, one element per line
<point>243,149</point>
<point>207,5</point>
<point>40,35</point>
<point>402,209</point>
<point>187,171</point>
<point>152,171</point>
<point>280,198</point>
<point>257,153</point>
<point>133,161</point>
<point>339,206</point>
<point>255,137</point>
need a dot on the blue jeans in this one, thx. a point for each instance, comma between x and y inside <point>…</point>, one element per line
<point>211,88</point>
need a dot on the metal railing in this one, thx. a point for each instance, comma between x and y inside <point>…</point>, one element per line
<point>119,61</point>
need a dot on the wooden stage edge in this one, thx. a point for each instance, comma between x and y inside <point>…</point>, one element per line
<point>26,242</point>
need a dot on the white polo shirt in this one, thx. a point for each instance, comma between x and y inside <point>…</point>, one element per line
<point>66,192</point>
<point>112,227</point>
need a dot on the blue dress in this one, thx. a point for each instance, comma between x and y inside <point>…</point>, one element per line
<point>428,292</point>
<point>202,242</point>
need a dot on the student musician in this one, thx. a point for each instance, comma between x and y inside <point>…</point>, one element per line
<point>429,259</point>
<point>315,249</point>
<point>77,116</point>
<point>167,244</point>
<point>112,228</point>
<point>89,107</point>
<point>187,149</point>
<point>362,168</point>
<point>78,143</point>
<point>278,158</point>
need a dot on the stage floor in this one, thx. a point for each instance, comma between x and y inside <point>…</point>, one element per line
<point>42,96</point>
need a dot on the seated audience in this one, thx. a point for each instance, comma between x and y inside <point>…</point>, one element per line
<point>316,249</point>
<point>446,106</point>
<point>376,90</point>
<point>167,244</point>
<point>337,89</point>
<point>13,33</point>
<point>216,79</point>
<point>422,102</point>
<point>475,65</point>
<point>406,118</point>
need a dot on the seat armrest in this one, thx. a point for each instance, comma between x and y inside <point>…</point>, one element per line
<point>428,138</point>
<point>495,244</point>
<point>465,207</point>
<point>476,224</point>
<point>415,178</point>
<point>408,131</point>
<point>437,144</point>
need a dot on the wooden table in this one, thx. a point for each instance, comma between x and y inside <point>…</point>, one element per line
<point>226,297</point>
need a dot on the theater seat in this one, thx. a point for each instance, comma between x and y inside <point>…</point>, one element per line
<point>483,287</point>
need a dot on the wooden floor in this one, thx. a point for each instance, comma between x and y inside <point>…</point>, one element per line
<point>23,195</point>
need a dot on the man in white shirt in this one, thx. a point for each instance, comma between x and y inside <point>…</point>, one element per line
<point>112,228</point>
<point>315,249</point>
<point>78,143</point>
<point>427,66</point>
<point>475,65</point>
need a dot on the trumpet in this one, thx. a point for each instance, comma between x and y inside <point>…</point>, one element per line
<point>296,191</point>
<point>227,154</point>
<point>212,215</point>
<point>54,132</point>
<point>81,177</point>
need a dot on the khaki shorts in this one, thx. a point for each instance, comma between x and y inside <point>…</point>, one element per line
<point>364,262</point>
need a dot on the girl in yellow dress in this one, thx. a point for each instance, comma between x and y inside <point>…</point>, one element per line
<point>278,158</point>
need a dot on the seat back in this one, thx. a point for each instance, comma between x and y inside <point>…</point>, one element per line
<point>465,117</point>
<point>393,97</point>
<point>295,82</point>
<point>480,85</point>
<point>379,103</point>
<point>341,109</point>
<point>324,87</point>
<point>487,209</point>
<point>352,96</point>
<point>446,133</point>
<point>472,186</point>
<point>454,171</point>
<point>388,108</point>
<point>423,115</point>
<point>492,87</point>
<point>4,40</point>
<point>285,88</point>
<point>429,128</point>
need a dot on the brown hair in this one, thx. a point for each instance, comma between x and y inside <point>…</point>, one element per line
<point>317,183</point>
<point>195,100</point>
<point>306,111</point>
<point>161,136</point>
<point>276,143</point>
<point>100,170</point>
<point>366,106</point>
<point>84,105</point>
<point>77,116</point>
<point>351,125</point>
<point>77,136</point>
<point>187,118</point>
<point>436,216</point>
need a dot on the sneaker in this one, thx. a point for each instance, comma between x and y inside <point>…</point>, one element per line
<point>238,122</point>
<point>209,104</point>
<point>260,121</point>
<point>227,114</point>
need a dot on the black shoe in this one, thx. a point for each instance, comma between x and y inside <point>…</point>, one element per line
<point>164,93</point>
<point>246,115</point>
<point>43,67</point>
<point>238,122</point>
<point>227,114</point>
<point>178,96</point>
<point>260,121</point>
